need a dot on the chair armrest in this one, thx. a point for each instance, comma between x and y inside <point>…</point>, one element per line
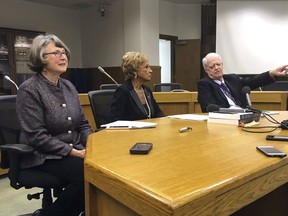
<point>15,151</point>
<point>17,148</point>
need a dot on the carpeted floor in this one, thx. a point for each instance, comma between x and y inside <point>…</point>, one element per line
<point>14,202</point>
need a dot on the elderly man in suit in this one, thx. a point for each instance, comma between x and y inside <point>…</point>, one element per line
<point>226,90</point>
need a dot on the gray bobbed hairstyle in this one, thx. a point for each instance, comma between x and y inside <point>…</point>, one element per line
<point>38,48</point>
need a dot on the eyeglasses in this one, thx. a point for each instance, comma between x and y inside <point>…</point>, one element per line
<point>57,54</point>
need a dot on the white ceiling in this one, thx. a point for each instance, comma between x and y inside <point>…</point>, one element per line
<point>188,1</point>
<point>72,4</point>
<point>82,4</point>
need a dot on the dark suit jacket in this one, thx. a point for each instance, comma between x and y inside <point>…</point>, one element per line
<point>126,104</point>
<point>209,92</point>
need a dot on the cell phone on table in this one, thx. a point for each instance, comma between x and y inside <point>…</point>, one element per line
<point>277,137</point>
<point>271,151</point>
<point>141,148</point>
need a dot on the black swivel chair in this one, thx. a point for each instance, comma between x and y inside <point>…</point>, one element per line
<point>100,101</point>
<point>276,86</point>
<point>108,86</point>
<point>166,87</point>
<point>11,152</point>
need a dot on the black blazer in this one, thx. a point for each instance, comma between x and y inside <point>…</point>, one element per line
<point>209,92</point>
<point>126,104</point>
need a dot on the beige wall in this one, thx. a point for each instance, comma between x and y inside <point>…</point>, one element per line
<point>64,23</point>
<point>96,40</point>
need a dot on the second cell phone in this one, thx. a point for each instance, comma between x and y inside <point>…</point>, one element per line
<point>271,151</point>
<point>141,148</point>
<point>277,137</point>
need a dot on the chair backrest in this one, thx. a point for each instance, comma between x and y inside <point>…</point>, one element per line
<point>9,125</point>
<point>108,86</point>
<point>276,86</point>
<point>100,101</point>
<point>166,87</point>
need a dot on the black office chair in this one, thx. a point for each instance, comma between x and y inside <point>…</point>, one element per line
<point>11,152</point>
<point>166,87</point>
<point>100,101</point>
<point>276,86</point>
<point>108,86</point>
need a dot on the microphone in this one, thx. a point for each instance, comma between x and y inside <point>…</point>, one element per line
<point>246,90</point>
<point>212,108</point>
<point>104,72</point>
<point>216,108</point>
<point>232,110</point>
<point>10,80</point>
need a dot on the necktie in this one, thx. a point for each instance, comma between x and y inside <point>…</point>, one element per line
<point>227,92</point>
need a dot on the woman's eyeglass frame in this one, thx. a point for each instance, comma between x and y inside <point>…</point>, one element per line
<point>57,54</point>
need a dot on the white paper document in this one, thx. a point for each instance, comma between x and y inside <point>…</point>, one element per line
<point>129,125</point>
<point>190,117</point>
<point>270,112</point>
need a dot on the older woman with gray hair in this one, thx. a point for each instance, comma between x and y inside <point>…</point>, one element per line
<point>133,100</point>
<point>52,121</point>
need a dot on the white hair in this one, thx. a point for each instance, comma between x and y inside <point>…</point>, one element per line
<point>209,56</point>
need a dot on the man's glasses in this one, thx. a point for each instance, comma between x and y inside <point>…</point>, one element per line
<point>57,54</point>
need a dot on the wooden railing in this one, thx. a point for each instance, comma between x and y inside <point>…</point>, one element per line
<point>186,102</point>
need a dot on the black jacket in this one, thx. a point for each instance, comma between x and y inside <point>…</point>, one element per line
<point>126,104</point>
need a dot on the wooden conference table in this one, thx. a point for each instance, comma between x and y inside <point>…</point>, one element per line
<point>214,169</point>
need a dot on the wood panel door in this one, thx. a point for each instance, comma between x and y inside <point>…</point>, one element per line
<point>187,63</point>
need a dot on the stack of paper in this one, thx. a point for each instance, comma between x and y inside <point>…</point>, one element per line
<point>232,118</point>
<point>190,117</point>
<point>129,125</point>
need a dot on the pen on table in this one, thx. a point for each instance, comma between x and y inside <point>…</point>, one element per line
<point>118,127</point>
<point>184,129</point>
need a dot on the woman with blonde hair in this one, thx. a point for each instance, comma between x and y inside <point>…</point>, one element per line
<point>133,100</point>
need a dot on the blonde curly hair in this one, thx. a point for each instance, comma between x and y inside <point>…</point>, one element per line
<point>131,61</point>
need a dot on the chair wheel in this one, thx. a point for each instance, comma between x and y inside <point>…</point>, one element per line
<point>33,196</point>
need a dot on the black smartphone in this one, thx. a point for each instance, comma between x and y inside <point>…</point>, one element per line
<point>277,137</point>
<point>271,151</point>
<point>141,148</point>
